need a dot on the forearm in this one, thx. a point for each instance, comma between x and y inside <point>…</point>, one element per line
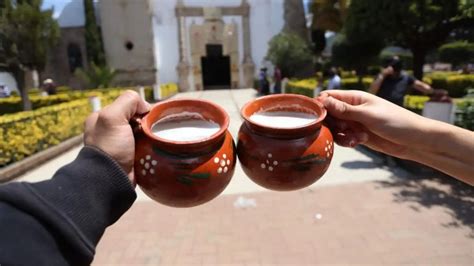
<point>423,87</point>
<point>77,205</point>
<point>375,86</point>
<point>447,148</point>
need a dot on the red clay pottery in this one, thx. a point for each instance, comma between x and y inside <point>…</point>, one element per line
<point>284,158</point>
<point>183,173</point>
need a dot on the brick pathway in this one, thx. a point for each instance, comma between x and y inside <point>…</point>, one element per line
<point>396,222</point>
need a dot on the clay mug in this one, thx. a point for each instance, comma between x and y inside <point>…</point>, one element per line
<point>189,172</point>
<point>284,158</point>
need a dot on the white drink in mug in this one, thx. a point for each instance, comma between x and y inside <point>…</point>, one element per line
<point>185,130</point>
<point>283,119</point>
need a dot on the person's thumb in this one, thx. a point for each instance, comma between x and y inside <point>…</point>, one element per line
<point>340,109</point>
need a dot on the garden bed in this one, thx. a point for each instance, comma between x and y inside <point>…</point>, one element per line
<point>25,133</point>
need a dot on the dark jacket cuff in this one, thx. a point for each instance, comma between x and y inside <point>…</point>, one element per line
<point>82,199</point>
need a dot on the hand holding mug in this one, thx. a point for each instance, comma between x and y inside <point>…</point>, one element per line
<point>109,130</point>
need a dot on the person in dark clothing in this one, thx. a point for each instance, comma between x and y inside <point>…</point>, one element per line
<point>263,82</point>
<point>277,80</point>
<point>392,84</point>
<point>49,87</point>
<point>60,221</point>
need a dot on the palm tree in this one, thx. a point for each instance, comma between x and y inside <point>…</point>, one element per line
<point>97,76</point>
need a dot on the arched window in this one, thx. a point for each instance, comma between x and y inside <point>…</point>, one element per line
<point>74,56</point>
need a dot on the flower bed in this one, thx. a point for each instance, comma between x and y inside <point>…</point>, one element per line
<point>464,109</point>
<point>13,104</point>
<point>456,84</point>
<point>25,133</point>
<point>306,86</point>
<point>415,103</point>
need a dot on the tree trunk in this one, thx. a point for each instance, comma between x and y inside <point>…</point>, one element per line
<point>20,81</point>
<point>418,62</point>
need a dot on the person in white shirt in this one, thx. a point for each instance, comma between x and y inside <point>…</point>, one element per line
<point>334,79</point>
<point>4,91</point>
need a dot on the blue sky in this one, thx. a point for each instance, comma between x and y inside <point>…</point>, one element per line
<point>57,4</point>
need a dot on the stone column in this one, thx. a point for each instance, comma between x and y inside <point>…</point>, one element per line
<point>247,64</point>
<point>183,67</point>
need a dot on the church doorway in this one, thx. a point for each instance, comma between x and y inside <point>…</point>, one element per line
<point>215,68</point>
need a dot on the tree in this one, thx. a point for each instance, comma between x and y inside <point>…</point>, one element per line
<point>26,33</point>
<point>357,47</point>
<point>355,54</point>
<point>290,53</point>
<point>95,50</point>
<point>420,25</point>
<point>295,19</point>
<point>328,15</point>
<point>97,76</point>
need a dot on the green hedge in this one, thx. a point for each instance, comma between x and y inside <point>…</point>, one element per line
<point>457,53</point>
<point>306,86</point>
<point>26,133</point>
<point>13,104</point>
<point>456,84</point>
<point>464,109</point>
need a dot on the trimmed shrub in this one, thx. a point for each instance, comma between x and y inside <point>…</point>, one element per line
<point>456,84</point>
<point>26,133</point>
<point>457,53</point>
<point>65,94</point>
<point>465,113</point>
<point>13,104</point>
<point>464,109</point>
<point>307,86</point>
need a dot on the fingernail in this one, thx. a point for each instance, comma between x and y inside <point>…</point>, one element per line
<point>363,137</point>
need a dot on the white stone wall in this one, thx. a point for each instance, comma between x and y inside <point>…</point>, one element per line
<point>123,21</point>
<point>266,20</point>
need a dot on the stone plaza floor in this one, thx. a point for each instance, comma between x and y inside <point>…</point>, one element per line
<point>360,212</point>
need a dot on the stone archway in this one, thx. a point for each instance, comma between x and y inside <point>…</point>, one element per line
<point>213,31</point>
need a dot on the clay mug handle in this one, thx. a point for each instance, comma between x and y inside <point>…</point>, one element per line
<point>136,124</point>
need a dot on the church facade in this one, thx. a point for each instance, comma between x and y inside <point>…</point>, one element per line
<point>199,44</point>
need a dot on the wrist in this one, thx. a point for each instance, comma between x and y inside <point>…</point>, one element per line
<point>430,91</point>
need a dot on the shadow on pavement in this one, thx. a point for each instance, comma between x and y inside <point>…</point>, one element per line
<point>359,165</point>
<point>436,190</point>
<point>428,188</point>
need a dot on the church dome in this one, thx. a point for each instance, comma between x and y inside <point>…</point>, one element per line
<point>72,15</point>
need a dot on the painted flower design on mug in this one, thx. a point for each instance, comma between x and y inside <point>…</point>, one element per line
<point>223,163</point>
<point>148,165</point>
<point>269,163</point>
<point>328,148</point>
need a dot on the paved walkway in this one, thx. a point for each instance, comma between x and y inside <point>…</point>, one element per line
<point>357,213</point>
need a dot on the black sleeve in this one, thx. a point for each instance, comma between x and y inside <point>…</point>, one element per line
<point>60,221</point>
